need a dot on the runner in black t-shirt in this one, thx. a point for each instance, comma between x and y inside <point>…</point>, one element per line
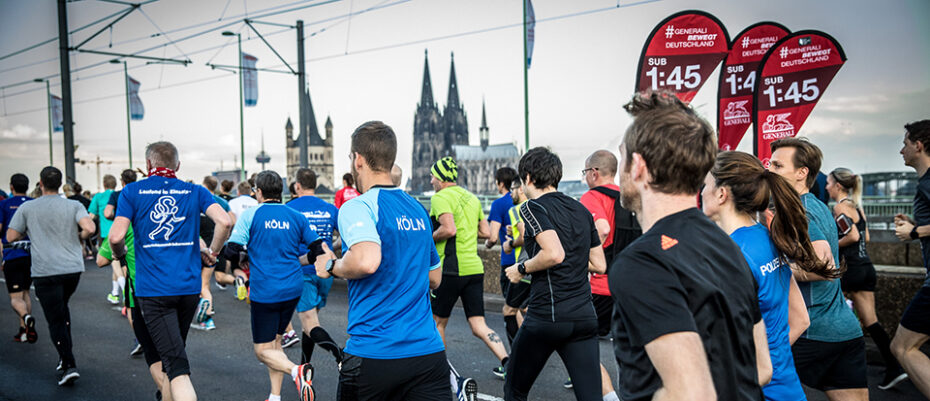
<point>563,246</point>
<point>686,319</point>
<point>914,329</point>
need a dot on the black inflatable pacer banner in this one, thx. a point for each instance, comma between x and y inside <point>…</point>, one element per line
<point>738,77</point>
<point>681,53</point>
<point>791,79</point>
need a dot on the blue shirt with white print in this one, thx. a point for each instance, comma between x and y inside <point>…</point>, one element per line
<point>389,311</point>
<point>165,216</point>
<point>275,236</point>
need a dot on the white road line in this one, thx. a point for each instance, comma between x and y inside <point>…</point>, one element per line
<point>488,397</point>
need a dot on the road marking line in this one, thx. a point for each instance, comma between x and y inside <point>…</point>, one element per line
<point>488,397</point>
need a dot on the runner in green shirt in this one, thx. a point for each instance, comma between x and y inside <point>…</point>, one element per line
<point>458,222</point>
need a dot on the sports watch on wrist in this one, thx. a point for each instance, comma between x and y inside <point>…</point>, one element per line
<point>914,234</point>
<point>330,264</point>
<point>522,268</point>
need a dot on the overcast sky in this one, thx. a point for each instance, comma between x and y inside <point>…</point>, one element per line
<point>370,67</point>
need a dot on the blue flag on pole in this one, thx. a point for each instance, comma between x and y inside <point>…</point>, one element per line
<point>249,79</point>
<point>530,31</point>
<point>57,114</point>
<point>136,109</point>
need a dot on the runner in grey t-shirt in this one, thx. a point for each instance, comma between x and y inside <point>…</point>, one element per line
<point>55,226</point>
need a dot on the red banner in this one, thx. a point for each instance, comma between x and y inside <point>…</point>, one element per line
<point>791,79</point>
<point>681,53</point>
<point>737,79</point>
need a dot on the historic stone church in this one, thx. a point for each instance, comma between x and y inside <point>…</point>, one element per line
<point>319,150</point>
<point>437,135</point>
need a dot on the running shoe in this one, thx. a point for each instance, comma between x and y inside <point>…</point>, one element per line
<point>568,383</point>
<point>222,287</point>
<point>241,290</point>
<point>157,395</point>
<point>113,299</point>
<point>136,350</point>
<point>20,336</point>
<point>31,335</point>
<point>60,364</point>
<point>290,338</point>
<point>467,389</point>
<point>304,382</point>
<point>209,325</point>
<point>203,308</point>
<point>68,376</point>
<point>499,372</point>
<point>892,379</point>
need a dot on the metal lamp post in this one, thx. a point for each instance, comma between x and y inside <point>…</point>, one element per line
<point>128,111</point>
<point>48,99</point>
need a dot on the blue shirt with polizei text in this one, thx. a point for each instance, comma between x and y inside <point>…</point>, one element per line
<point>275,236</point>
<point>165,216</point>
<point>389,311</point>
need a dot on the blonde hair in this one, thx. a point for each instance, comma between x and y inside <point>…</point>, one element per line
<point>850,182</point>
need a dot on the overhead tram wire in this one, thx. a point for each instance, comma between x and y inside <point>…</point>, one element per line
<point>378,48</point>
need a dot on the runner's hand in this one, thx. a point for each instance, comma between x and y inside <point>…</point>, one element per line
<point>900,217</point>
<point>903,229</point>
<point>206,257</point>
<point>513,274</point>
<point>506,244</point>
<point>320,262</point>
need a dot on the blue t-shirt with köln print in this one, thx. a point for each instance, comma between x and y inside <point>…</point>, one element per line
<point>165,216</point>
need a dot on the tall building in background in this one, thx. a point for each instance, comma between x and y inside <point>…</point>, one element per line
<point>436,135</point>
<point>319,150</point>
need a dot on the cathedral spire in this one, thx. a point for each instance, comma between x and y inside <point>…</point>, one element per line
<point>483,130</point>
<point>426,98</point>
<point>453,100</point>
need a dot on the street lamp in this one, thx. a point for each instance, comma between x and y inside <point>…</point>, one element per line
<point>128,112</point>
<point>241,101</point>
<point>48,99</point>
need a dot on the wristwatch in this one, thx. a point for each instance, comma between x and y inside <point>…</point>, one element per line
<point>914,234</point>
<point>522,268</point>
<point>330,264</point>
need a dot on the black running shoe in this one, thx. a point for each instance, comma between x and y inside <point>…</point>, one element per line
<point>20,336</point>
<point>68,376</point>
<point>31,335</point>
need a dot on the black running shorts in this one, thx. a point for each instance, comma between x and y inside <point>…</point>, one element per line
<point>917,315</point>
<point>831,366</point>
<point>143,336</point>
<point>168,319</point>
<point>419,378</point>
<point>469,288</point>
<point>604,306</point>
<point>859,278</point>
<point>270,320</point>
<point>18,274</point>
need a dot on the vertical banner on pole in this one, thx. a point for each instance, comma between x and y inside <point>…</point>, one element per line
<point>791,79</point>
<point>57,114</point>
<point>136,109</point>
<point>737,79</point>
<point>249,79</point>
<point>530,31</point>
<point>681,53</point>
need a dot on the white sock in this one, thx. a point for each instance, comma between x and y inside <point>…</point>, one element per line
<point>294,372</point>
<point>272,397</point>
<point>122,283</point>
<point>115,290</point>
<point>612,396</point>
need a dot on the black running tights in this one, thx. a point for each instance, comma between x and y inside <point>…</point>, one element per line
<point>54,292</point>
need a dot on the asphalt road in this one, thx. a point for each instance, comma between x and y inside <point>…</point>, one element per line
<point>223,365</point>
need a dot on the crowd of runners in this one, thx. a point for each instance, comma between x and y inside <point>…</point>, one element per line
<point>713,276</point>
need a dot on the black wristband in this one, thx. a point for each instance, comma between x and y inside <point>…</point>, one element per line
<point>914,233</point>
<point>522,268</point>
<point>510,242</point>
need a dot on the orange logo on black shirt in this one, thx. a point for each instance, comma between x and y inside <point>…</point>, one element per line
<point>668,242</point>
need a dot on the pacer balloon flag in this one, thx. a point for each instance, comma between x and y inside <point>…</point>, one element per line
<point>737,79</point>
<point>681,52</point>
<point>791,79</point>
<point>249,79</point>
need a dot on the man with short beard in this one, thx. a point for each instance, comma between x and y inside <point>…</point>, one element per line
<point>687,323</point>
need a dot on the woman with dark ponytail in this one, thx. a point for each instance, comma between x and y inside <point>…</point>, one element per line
<point>737,189</point>
<point>845,188</point>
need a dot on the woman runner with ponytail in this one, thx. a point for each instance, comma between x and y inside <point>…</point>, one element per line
<point>736,190</point>
<point>845,188</point>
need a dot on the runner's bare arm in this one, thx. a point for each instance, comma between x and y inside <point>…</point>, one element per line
<point>222,226</point>
<point>446,227</point>
<point>87,227</point>
<point>550,254</point>
<point>763,359</point>
<point>13,235</point>
<point>435,278</point>
<point>484,230</point>
<point>603,228</point>
<point>681,362</point>
<point>495,234</point>
<point>361,260</point>
<point>798,319</point>
<point>117,235</point>
<point>597,263</point>
<point>109,212</point>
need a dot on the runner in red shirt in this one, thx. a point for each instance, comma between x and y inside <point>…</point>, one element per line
<point>347,192</point>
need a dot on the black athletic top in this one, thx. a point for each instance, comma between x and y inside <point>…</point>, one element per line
<point>561,292</point>
<point>685,274</point>
<point>922,218</point>
<point>856,255</point>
